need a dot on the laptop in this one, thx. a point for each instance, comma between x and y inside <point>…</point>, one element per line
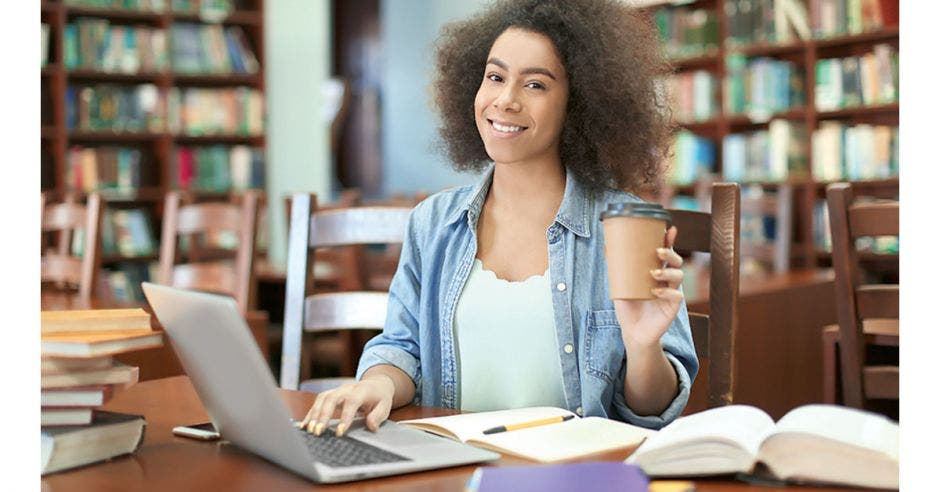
<point>236,387</point>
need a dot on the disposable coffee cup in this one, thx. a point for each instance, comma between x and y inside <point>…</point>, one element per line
<point>632,233</point>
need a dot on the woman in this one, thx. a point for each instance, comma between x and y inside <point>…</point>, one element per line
<point>500,299</point>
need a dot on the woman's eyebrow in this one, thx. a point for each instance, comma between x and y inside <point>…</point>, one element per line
<point>531,70</point>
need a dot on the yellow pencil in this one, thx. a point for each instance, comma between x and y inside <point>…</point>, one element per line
<point>523,425</point>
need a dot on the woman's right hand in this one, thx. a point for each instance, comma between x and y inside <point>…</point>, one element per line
<point>372,395</point>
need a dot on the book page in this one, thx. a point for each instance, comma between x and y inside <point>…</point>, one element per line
<point>469,425</point>
<point>744,425</point>
<point>847,425</point>
<point>565,440</point>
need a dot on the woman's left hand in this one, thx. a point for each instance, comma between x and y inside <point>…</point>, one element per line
<point>643,322</point>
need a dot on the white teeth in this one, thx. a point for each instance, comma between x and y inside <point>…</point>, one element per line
<point>506,129</point>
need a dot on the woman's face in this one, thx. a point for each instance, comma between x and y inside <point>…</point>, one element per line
<point>520,105</point>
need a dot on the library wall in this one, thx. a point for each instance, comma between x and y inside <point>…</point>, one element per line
<point>409,125</point>
<point>297,51</point>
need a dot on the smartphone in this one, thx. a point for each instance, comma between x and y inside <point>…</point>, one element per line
<point>204,432</point>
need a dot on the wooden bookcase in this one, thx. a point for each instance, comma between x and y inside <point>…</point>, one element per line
<point>803,53</point>
<point>158,170</point>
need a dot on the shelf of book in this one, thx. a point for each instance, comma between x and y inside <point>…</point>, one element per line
<point>183,68</point>
<point>883,109</point>
<point>888,34</point>
<point>736,121</point>
<point>760,63</point>
<point>112,259</point>
<point>236,18</point>
<point>769,49</point>
<point>695,62</point>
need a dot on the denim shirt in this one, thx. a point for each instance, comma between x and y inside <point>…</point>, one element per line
<point>437,255</point>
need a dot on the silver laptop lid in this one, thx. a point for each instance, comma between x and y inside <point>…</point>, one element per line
<point>233,381</point>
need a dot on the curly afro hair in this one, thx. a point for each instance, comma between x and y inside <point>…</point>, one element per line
<point>617,129</point>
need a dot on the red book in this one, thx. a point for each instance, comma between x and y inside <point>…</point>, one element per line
<point>890,12</point>
<point>184,159</point>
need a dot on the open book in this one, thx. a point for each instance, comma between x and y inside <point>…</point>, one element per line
<point>546,443</point>
<point>824,444</point>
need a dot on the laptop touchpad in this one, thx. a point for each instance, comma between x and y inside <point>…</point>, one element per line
<point>393,435</point>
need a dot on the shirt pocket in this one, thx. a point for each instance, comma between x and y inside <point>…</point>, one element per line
<point>604,351</point>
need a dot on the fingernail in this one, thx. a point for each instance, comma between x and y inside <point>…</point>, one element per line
<point>656,272</point>
<point>656,291</point>
<point>340,430</point>
<point>319,428</point>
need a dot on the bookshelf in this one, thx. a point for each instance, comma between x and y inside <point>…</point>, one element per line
<point>188,76</point>
<point>738,42</point>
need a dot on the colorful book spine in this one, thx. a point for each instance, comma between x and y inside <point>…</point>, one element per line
<point>866,80</point>
<point>694,96</point>
<point>236,111</point>
<point>693,157</point>
<point>850,17</point>
<point>210,49</point>
<point>220,168</point>
<point>686,32</point>
<point>776,154</point>
<point>761,87</point>
<point>111,108</point>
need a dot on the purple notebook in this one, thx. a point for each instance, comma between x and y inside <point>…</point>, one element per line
<point>597,477</point>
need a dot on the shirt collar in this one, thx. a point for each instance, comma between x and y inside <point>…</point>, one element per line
<point>574,212</point>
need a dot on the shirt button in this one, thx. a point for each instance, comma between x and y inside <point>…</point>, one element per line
<point>561,286</point>
<point>569,348</point>
<point>579,411</point>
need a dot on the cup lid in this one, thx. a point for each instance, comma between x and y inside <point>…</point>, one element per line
<point>636,209</point>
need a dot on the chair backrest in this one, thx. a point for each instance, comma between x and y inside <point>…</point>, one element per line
<point>311,229</point>
<point>65,219</point>
<point>857,300</point>
<point>210,269</point>
<point>716,233</point>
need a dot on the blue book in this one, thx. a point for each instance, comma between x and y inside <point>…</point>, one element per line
<point>612,476</point>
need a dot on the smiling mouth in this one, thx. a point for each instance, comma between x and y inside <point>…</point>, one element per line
<point>506,128</point>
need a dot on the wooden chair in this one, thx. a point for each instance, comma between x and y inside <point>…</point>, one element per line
<point>311,229</point>
<point>867,313</point>
<point>714,333</point>
<point>210,269</point>
<point>58,266</point>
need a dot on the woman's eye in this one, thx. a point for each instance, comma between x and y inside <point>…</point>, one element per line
<point>494,77</point>
<point>535,85</point>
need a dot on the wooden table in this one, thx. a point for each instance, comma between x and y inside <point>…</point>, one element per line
<point>159,362</point>
<point>166,462</point>
<point>779,351</point>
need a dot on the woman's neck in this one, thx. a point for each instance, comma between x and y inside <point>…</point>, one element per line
<point>534,189</point>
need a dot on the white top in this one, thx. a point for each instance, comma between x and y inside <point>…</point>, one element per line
<point>507,353</point>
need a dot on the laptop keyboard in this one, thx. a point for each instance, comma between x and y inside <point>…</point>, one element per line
<point>345,451</point>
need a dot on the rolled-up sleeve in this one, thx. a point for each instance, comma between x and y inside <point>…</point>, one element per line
<point>680,351</point>
<point>398,344</point>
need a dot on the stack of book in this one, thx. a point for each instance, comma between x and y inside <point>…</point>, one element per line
<point>103,168</point>
<point>688,32</point>
<point>693,157</point>
<point>96,44</point>
<point>198,111</point>
<point>854,152</point>
<point>694,96</point>
<point>210,48</point>
<point>776,154</point>
<point>766,21</point>
<point>220,168</point>
<point>866,80</point>
<point>112,108</point>
<point>79,375</point>
<point>840,17</point>
<point>761,87</point>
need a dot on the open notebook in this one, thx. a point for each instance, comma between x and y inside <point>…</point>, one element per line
<point>546,443</point>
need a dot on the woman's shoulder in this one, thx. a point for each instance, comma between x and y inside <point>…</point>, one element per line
<point>443,205</point>
<point>610,195</point>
